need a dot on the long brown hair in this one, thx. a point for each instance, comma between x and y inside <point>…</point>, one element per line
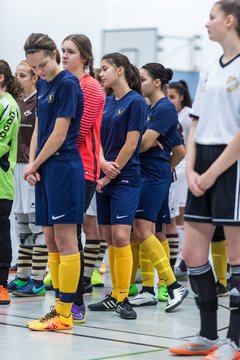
<point>10,82</point>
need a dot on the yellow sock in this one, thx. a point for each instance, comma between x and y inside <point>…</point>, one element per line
<point>135,247</point>
<point>165,245</point>
<point>111,259</point>
<point>219,256</point>
<point>156,253</point>
<point>147,269</point>
<point>69,272</point>
<point>123,269</point>
<point>53,263</point>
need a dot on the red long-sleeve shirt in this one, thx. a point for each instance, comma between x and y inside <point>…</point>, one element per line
<point>89,137</point>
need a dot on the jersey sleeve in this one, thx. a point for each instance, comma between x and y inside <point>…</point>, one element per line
<point>68,98</point>
<point>162,120</point>
<point>138,113</point>
<point>196,107</point>
<point>8,135</point>
<point>8,118</point>
<point>93,104</point>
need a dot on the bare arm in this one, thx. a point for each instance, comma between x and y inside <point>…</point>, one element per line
<point>128,148</point>
<point>178,153</point>
<point>33,143</point>
<point>53,143</point>
<point>113,168</point>
<point>148,140</point>
<point>192,175</point>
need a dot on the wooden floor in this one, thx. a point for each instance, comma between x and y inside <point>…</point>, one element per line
<point>104,335</point>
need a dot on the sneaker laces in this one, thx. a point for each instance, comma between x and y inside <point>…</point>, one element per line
<point>124,304</point>
<point>53,313</point>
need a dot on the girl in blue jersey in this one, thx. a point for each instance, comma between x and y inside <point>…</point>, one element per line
<point>160,126</point>
<point>119,185</point>
<point>56,168</point>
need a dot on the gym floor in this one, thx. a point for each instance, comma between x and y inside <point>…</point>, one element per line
<point>104,335</point>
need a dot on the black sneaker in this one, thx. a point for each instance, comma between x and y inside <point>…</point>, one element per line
<point>88,289</point>
<point>221,290</point>
<point>125,310</point>
<point>108,304</point>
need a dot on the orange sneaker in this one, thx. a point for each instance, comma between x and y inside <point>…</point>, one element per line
<point>198,346</point>
<point>52,321</point>
<point>103,268</point>
<point>4,297</point>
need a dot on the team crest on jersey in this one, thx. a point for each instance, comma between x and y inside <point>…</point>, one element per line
<point>51,98</point>
<point>119,112</point>
<point>149,118</point>
<point>232,84</point>
<point>27,113</point>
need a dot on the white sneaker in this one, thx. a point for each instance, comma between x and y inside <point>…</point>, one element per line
<point>175,297</point>
<point>144,298</point>
<point>198,345</point>
<point>228,351</point>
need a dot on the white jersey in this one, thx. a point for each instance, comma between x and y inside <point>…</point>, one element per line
<point>185,120</point>
<point>217,103</point>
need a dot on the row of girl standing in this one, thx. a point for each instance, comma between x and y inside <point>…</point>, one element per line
<point>52,147</point>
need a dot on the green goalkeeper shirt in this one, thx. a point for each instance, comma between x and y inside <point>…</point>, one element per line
<point>9,124</point>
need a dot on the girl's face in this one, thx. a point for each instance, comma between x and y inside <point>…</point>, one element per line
<point>25,77</point>
<point>72,59</point>
<point>45,66</point>
<point>175,98</point>
<point>216,24</point>
<point>109,74</point>
<point>148,86</point>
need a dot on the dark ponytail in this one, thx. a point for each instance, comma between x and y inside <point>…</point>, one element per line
<point>131,72</point>
<point>10,83</point>
<point>158,71</point>
<point>181,88</point>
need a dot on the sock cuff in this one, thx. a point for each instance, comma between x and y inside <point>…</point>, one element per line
<point>235,269</point>
<point>54,257</point>
<point>72,257</point>
<point>123,251</point>
<point>199,270</point>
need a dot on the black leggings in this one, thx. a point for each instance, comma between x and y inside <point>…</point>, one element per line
<point>5,240</point>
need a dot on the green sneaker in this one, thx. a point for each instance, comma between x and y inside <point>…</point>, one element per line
<point>162,293</point>
<point>96,279</point>
<point>48,282</point>
<point>17,284</point>
<point>133,290</point>
<point>31,289</point>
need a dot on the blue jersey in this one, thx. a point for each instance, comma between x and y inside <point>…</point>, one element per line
<point>120,117</point>
<point>162,118</point>
<point>61,97</point>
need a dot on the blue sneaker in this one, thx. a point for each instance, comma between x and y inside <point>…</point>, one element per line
<point>17,284</point>
<point>31,289</point>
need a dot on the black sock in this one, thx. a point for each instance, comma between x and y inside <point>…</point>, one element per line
<point>149,289</point>
<point>234,324</point>
<point>204,288</point>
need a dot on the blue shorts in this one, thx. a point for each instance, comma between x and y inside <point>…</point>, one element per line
<point>163,216</point>
<point>153,195</point>
<point>117,204</point>
<point>60,194</point>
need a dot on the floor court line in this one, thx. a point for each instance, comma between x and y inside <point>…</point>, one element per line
<point>129,354</point>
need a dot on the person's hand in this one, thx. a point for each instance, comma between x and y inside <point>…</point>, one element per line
<point>29,169</point>
<point>206,180</point>
<point>157,143</point>
<point>32,179</point>
<point>102,182</point>
<point>110,169</point>
<point>192,177</point>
